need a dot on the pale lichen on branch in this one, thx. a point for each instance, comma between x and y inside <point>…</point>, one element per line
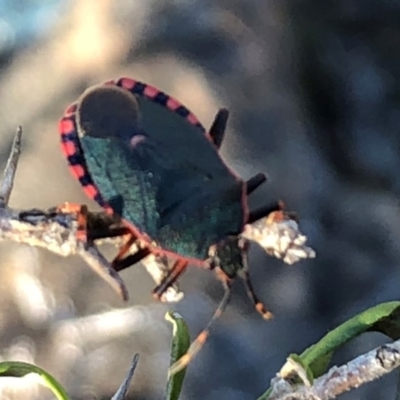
<point>338,380</point>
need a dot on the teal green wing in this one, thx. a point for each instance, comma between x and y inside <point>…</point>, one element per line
<point>156,170</point>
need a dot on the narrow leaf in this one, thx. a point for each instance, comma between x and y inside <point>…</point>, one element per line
<point>179,347</point>
<point>378,318</point>
<point>19,369</point>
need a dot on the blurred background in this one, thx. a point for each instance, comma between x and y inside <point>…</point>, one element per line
<point>314,93</point>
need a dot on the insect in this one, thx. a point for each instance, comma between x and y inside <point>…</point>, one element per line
<point>142,155</point>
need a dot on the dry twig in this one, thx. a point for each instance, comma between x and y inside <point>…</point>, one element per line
<point>11,167</point>
<point>338,380</point>
<point>53,230</point>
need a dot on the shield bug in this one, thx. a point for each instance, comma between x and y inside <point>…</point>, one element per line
<point>143,156</point>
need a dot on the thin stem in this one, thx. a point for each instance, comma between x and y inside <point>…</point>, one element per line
<point>10,170</point>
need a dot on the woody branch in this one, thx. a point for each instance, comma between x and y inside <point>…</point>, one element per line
<point>53,230</point>
<point>338,380</point>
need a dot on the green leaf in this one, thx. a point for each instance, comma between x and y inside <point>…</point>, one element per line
<point>384,318</point>
<point>389,325</point>
<point>381,318</point>
<point>19,369</point>
<point>179,347</point>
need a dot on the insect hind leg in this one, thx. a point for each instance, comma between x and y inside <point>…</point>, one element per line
<point>205,333</point>
<point>121,262</point>
<point>130,260</point>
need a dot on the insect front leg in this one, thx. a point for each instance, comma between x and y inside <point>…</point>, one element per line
<point>243,273</point>
<point>120,264</point>
<point>205,333</point>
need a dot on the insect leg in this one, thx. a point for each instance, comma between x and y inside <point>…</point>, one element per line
<point>82,215</point>
<point>263,211</point>
<point>119,263</point>
<point>253,183</point>
<point>100,229</point>
<point>176,271</point>
<point>203,335</point>
<point>103,233</point>
<point>131,259</point>
<point>124,249</point>
<point>217,130</point>
<point>243,274</point>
